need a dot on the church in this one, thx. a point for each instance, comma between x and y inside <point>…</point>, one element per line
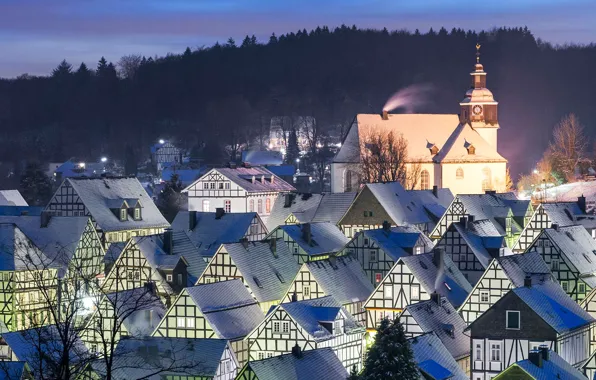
<point>452,151</point>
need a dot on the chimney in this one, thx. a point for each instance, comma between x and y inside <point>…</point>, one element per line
<point>385,115</point>
<point>232,165</point>
<point>168,241</point>
<point>287,200</point>
<point>438,256</point>
<point>528,282</point>
<point>386,226</point>
<point>544,352</point>
<point>581,203</point>
<point>436,298</point>
<point>294,297</point>
<point>555,226</point>
<point>273,246</point>
<point>246,164</point>
<point>464,222</point>
<point>244,242</point>
<point>535,358</point>
<point>436,191</point>
<point>306,235</point>
<point>44,218</point>
<point>192,220</point>
<point>296,351</point>
<point>262,179</point>
<point>219,212</point>
<point>494,252</point>
<point>471,219</point>
<point>490,192</point>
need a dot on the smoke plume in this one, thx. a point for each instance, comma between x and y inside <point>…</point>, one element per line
<point>409,98</point>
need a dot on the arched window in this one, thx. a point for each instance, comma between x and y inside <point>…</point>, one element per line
<point>267,206</point>
<point>251,205</point>
<point>260,206</point>
<point>424,180</point>
<point>348,183</point>
<point>459,173</point>
<point>487,183</point>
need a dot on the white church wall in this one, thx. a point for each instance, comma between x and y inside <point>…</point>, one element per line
<point>473,177</point>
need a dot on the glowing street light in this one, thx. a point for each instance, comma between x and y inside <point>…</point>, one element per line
<point>536,171</point>
<point>104,159</point>
<point>297,160</point>
<point>81,165</point>
<point>162,141</point>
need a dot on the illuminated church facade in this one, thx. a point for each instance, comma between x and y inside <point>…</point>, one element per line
<point>452,151</point>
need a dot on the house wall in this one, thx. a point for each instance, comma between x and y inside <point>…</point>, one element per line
<point>228,366</point>
<point>360,248</point>
<point>462,255</point>
<point>538,222</point>
<point>473,177</point>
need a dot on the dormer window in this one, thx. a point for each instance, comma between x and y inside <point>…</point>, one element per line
<point>432,148</point>
<point>123,215</point>
<point>137,213</point>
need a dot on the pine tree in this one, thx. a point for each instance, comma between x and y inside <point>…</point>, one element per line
<point>64,69</point>
<point>169,200</point>
<point>231,43</point>
<point>36,186</point>
<point>353,374</point>
<point>390,356</point>
<point>101,66</point>
<point>272,39</point>
<point>293,152</point>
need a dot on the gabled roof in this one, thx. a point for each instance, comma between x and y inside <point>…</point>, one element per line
<point>553,368</point>
<point>333,206</point>
<point>209,232</point>
<point>12,198</point>
<point>570,192</point>
<point>482,237</point>
<point>264,180</point>
<point>445,322</point>
<point>186,176</point>
<point>518,267</point>
<point>554,306</point>
<point>455,149</point>
<point>320,364</point>
<point>435,206</point>
<point>579,249</point>
<point>342,278</point>
<point>128,302</point>
<point>450,283</point>
<point>495,207</point>
<point>325,237</point>
<point>267,274</point>
<point>563,213</point>
<point>18,252</point>
<point>183,246</point>
<point>153,358</point>
<point>433,358</point>
<point>402,206</point>
<point>309,313</point>
<point>98,193</point>
<point>20,210</point>
<point>394,241</point>
<point>228,307</point>
<point>262,157</point>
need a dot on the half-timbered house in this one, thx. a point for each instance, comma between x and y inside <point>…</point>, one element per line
<point>266,268</point>
<point>292,208</point>
<point>541,363</point>
<point>439,316</point>
<point>413,279</point>
<point>378,249</point>
<point>244,189</point>
<point>119,206</point>
<point>524,319</point>
<point>472,244</point>
<point>310,324</point>
<point>223,310</point>
<point>589,367</point>
<point>159,358</point>
<point>163,153</point>
<point>311,241</point>
<point>143,260</point>
<point>570,253</point>
<point>128,313</point>
<point>503,274</point>
<point>380,202</point>
<point>506,213</point>
<point>433,359</point>
<point>320,364</point>
<point>339,277</point>
<point>562,214</point>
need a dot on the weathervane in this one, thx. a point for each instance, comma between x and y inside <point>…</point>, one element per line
<point>477,53</point>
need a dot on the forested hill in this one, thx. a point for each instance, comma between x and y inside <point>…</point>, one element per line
<point>225,93</point>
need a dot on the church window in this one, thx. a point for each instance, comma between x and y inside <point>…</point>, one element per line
<point>459,173</point>
<point>348,184</point>
<point>424,180</point>
<point>267,205</point>
<point>251,205</point>
<point>260,206</point>
<point>486,179</point>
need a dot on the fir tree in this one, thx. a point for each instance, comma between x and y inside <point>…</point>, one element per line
<point>169,200</point>
<point>36,186</point>
<point>353,374</point>
<point>101,66</point>
<point>130,161</point>
<point>293,152</point>
<point>64,69</point>
<point>273,39</point>
<point>390,356</point>
<point>231,43</point>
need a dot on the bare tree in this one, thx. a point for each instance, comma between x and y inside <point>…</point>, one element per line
<point>383,158</point>
<point>413,175</point>
<point>568,147</point>
<point>128,65</point>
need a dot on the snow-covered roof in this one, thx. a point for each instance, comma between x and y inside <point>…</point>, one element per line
<point>569,192</point>
<point>267,273</point>
<point>186,176</point>
<point>394,241</point>
<point>18,252</point>
<point>445,322</point>
<point>129,302</point>
<point>253,180</point>
<point>228,307</point>
<point>98,193</point>
<point>435,205</point>
<point>433,358</point>
<point>495,207</point>
<point>12,198</point>
<point>320,364</point>
<point>282,170</point>
<point>183,246</point>
<point>449,283</point>
<point>166,144</point>
<point>154,358</point>
<point>568,214</point>
<point>333,206</point>
<point>482,237</point>
<point>72,169</point>
<point>20,210</point>
<point>444,131</point>
<point>518,267</point>
<point>401,205</point>
<point>341,277</point>
<point>554,368</point>
<point>309,314</point>
<point>554,306</point>
<point>209,232</point>
<point>325,237</point>
<point>262,157</point>
<point>578,248</point>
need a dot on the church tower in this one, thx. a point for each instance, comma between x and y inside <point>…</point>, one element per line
<point>479,107</point>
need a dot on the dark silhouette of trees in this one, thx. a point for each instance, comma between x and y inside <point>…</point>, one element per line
<point>35,185</point>
<point>292,151</point>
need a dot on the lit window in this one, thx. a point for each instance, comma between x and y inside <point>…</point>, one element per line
<point>495,352</point>
<point>415,290</point>
<point>122,214</point>
<point>418,250</point>
<point>378,277</point>
<point>190,323</point>
<point>267,206</point>
<point>228,205</point>
<point>276,326</point>
<point>459,173</point>
<point>181,322</point>
<point>447,286</point>
<point>260,206</point>
<point>424,180</point>
<point>205,205</point>
<point>306,291</point>
<point>484,296</point>
<point>251,205</point>
<point>169,278</point>
<point>478,351</point>
<point>581,287</point>
<point>512,320</point>
<point>388,291</point>
<point>137,213</point>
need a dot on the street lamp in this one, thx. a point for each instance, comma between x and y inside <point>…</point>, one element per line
<point>298,165</point>
<point>104,159</point>
<point>162,141</point>
<point>536,171</point>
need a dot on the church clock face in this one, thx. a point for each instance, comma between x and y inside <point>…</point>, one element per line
<point>477,110</point>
